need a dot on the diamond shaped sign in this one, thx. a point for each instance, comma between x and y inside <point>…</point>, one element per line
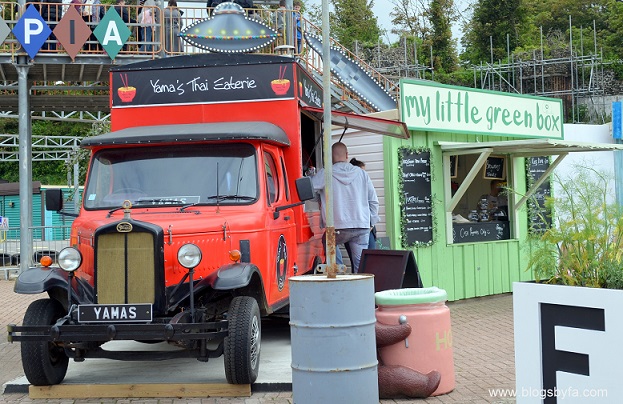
<point>4,30</point>
<point>72,32</point>
<point>31,31</point>
<point>112,33</point>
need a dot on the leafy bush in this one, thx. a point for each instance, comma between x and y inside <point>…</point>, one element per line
<point>583,246</point>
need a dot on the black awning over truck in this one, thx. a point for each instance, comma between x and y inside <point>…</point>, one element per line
<point>197,132</point>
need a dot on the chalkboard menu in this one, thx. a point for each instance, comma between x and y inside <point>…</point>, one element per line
<point>416,209</point>
<point>477,232</point>
<point>494,168</point>
<point>539,217</point>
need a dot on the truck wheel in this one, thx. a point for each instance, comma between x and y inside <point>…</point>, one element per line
<point>242,345</point>
<point>44,363</point>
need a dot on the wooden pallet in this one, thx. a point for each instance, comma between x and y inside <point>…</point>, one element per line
<point>139,390</point>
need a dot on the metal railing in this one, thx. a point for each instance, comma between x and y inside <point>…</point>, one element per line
<point>150,41</point>
<point>46,240</point>
<point>139,42</point>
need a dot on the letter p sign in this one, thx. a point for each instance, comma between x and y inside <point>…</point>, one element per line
<point>32,27</point>
<point>31,31</point>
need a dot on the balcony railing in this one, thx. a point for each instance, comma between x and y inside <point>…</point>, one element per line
<point>151,41</point>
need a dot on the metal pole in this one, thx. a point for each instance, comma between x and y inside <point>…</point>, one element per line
<point>328,158</point>
<point>76,187</point>
<point>571,71</point>
<point>25,163</point>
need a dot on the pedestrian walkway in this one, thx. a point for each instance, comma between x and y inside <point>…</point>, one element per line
<point>484,361</point>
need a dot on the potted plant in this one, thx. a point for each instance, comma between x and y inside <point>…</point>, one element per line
<point>583,247</point>
<point>568,324</point>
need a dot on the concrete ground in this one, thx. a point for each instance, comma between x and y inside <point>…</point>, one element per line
<point>482,331</point>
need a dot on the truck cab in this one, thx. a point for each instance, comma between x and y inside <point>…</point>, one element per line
<point>194,217</point>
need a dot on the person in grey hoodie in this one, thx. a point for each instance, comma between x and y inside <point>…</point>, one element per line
<point>355,203</point>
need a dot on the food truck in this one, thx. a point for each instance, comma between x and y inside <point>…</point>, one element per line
<point>194,216</point>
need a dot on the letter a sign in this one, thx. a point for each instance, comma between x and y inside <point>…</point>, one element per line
<point>112,33</point>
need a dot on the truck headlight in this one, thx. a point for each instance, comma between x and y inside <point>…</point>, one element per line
<point>189,256</point>
<point>69,259</point>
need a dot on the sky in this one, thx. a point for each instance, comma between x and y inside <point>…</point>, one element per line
<point>381,9</point>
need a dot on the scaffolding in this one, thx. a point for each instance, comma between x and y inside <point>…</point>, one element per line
<point>570,72</point>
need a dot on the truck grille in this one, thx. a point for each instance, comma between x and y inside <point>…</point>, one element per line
<point>125,265</point>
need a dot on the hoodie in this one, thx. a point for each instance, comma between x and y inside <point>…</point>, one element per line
<point>355,204</point>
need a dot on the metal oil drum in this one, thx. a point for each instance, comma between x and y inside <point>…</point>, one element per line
<point>332,328</point>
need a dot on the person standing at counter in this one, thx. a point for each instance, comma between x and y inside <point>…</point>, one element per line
<point>355,203</point>
<point>496,198</point>
<point>372,239</point>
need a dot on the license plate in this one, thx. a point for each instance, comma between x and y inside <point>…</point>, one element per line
<point>114,313</point>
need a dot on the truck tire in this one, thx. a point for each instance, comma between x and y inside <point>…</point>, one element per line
<point>44,363</point>
<point>242,345</point>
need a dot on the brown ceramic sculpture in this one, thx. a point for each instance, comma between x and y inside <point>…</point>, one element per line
<point>400,381</point>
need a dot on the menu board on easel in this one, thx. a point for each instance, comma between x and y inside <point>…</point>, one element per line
<point>539,216</point>
<point>416,209</point>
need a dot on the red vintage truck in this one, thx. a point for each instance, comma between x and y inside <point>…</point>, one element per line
<point>193,217</point>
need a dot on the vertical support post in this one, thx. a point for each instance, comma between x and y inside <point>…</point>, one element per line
<point>25,163</point>
<point>328,169</point>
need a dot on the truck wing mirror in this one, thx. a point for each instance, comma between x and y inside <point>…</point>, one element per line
<point>54,200</point>
<point>304,188</point>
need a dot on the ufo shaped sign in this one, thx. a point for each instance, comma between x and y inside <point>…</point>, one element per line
<point>229,31</point>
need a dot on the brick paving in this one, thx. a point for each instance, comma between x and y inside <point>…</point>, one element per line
<point>482,331</point>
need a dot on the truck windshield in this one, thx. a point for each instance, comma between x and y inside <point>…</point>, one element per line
<point>173,175</point>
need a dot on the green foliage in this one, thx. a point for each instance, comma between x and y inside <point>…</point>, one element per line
<point>440,38</point>
<point>485,36</point>
<point>52,172</point>
<point>583,248</point>
<point>353,21</point>
<point>406,16</point>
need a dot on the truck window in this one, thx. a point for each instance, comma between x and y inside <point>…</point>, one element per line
<point>173,175</point>
<point>272,180</point>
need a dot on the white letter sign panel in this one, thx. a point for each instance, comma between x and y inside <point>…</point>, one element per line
<point>567,344</point>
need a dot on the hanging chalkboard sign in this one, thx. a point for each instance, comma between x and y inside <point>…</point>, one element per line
<point>539,216</point>
<point>494,168</point>
<point>454,166</point>
<point>416,204</point>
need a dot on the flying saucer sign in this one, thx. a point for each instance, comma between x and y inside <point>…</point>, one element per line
<point>229,31</point>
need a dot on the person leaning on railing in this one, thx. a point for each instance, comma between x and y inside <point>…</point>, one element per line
<point>51,11</point>
<point>280,24</point>
<point>172,28</point>
<point>146,30</point>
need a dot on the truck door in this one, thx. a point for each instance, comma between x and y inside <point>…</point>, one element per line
<point>282,230</point>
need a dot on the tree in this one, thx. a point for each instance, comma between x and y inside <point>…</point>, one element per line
<point>485,35</point>
<point>441,14</point>
<point>353,20</point>
<point>408,18</point>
